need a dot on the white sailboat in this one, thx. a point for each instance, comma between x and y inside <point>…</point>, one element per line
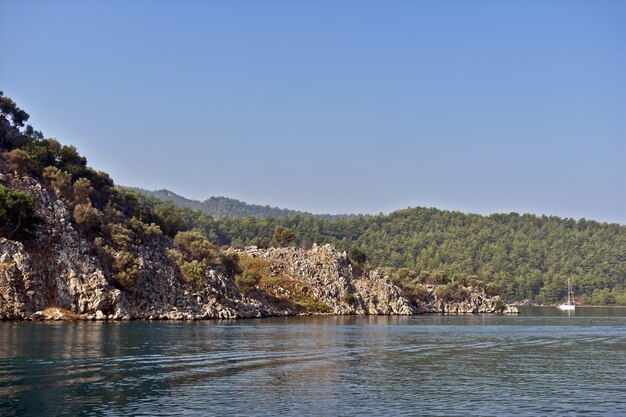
<point>569,306</point>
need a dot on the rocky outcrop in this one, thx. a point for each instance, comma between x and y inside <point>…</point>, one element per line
<point>328,277</point>
<point>476,302</point>
<point>60,276</point>
<point>331,279</point>
<point>58,269</point>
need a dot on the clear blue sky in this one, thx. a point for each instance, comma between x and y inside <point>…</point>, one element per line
<point>336,106</point>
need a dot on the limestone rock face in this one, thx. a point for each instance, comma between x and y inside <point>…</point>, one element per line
<point>58,269</point>
<point>477,302</point>
<point>327,276</point>
<point>59,276</point>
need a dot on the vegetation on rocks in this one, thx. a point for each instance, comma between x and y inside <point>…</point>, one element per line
<point>520,256</point>
<point>193,254</point>
<point>247,281</point>
<point>272,279</point>
<point>18,218</point>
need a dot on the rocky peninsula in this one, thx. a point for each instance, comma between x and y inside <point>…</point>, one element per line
<point>64,274</point>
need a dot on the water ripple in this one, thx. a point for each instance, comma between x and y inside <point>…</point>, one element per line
<point>317,366</point>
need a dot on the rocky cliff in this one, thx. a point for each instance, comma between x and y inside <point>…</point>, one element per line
<point>330,278</point>
<point>61,275</point>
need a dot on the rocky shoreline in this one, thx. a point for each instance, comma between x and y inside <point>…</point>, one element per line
<point>59,276</point>
<point>320,281</point>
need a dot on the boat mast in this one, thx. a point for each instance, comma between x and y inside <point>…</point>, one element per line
<point>570,296</point>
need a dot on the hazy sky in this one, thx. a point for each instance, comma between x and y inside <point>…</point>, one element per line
<point>336,106</point>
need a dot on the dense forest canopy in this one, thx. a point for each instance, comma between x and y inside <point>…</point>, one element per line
<point>524,256</point>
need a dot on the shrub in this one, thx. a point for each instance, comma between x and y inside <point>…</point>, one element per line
<point>349,299</point>
<point>408,282</point>
<point>87,217</point>
<point>121,235</point>
<point>360,265</point>
<point>312,305</point>
<point>18,160</point>
<point>473,281</point>
<point>492,289</point>
<point>194,272</point>
<point>459,294</point>
<point>123,264</point>
<point>151,230</point>
<point>230,262</point>
<point>406,275</point>
<point>126,269</point>
<point>283,236</point>
<point>247,281</point>
<point>104,252</point>
<point>176,256</point>
<point>82,191</point>
<point>443,293</point>
<point>18,217</point>
<point>111,214</point>
<point>194,244</point>
<point>357,257</point>
<point>256,263</point>
<point>258,242</point>
<point>460,279</point>
<point>434,278</point>
<point>61,181</point>
<point>170,220</point>
<point>419,292</point>
<point>360,269</point>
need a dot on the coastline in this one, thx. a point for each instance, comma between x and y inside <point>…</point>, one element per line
<point>57,314</point>
<point>519,304</point>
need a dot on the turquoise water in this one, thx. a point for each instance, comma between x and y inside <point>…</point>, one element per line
<point>539,363</point>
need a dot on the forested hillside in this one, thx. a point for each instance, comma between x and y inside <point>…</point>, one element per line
<point>528,257</point>
<point>524,256</point>
<point>74,247</point>
<point>230,207</point>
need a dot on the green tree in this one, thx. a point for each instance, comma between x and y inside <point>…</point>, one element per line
<point>195,245</point>
<point>19,161</point>
<point>230,263</point>
<point>18,218</point>
<point>283,236</point>
<point>87,217</point>
<point>82,191</point>
<point>357,256</point>
<point>247,281</point>
<point>61,181</point>
<point>11,113</point>
<point>169,218</point>
<point>194,272</point>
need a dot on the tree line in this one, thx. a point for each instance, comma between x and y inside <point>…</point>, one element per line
<point>522,256</point>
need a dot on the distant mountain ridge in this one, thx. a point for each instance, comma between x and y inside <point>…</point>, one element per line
<point>229,207</point>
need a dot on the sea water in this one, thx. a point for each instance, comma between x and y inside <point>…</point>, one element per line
<point>542,362</point>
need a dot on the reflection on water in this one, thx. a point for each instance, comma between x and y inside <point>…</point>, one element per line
<point>426,365</point>
<point>580,312</point>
